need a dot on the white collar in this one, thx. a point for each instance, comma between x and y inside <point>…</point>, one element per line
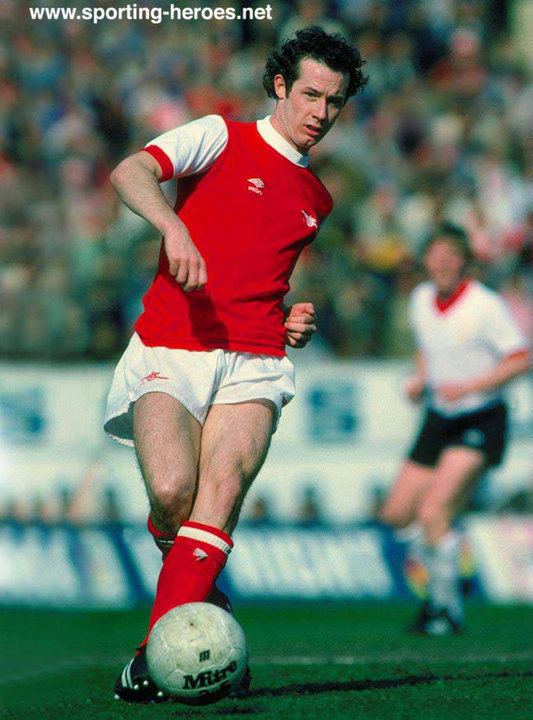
<point>270,135</point>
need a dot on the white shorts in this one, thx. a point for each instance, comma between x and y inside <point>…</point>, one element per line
<point>198,379</point>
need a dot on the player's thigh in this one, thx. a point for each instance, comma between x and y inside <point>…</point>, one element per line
<point>167,443</point>
<point>236,438</point>
<point>455,474</point>
<point>235,442</point>
<point>400,506</point>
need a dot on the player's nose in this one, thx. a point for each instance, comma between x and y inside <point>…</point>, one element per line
<point>320,109</point>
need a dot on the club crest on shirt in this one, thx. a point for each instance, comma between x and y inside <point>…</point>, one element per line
<point>310,221</point>
<point>256,185</point>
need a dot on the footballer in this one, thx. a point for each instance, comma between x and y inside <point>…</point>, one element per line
<point>468,349</point>
<point>201,386</point>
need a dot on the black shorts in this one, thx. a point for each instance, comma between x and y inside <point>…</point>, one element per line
<point>484,430</point>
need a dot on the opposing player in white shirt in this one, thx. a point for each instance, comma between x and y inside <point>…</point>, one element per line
<point>468,348</point>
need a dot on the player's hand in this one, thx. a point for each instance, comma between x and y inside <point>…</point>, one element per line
<point>452,391</point>
<point>414,387</point>
<point>300,323</point>
<point>184,261</point>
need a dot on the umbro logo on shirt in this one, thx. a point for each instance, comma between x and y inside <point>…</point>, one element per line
<point>256,185</point>
<point>310,220</point>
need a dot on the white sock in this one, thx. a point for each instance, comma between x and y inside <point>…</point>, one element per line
<point>443,567</point>
<point>414,535</point>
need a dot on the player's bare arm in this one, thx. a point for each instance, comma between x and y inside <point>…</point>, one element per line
<point>415,383</point>
<point>300,323</point>
<point>136,180</point>
<point>509,368</point>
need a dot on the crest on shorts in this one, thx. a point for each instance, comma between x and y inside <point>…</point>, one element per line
<point>154,375</point>
<point>473,437</point>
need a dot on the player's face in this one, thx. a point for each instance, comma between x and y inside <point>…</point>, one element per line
<point>308,111</point>
<point>444,264</point>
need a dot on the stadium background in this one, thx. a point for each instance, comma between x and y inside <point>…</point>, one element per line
<point>441,132</point>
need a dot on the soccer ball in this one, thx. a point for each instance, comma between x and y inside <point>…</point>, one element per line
<point>197,653</point>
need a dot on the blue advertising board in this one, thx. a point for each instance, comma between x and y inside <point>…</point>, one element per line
<point>116,565</point>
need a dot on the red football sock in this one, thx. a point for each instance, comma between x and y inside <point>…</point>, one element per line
<point>164,541</point>
<point>190,569</point>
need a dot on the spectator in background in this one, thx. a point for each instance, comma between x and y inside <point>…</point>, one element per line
<point>259,514</point>
<point>110,505</point>
<point>14,511</point>
<point>310,513</point>
<point>310,12</point>
<point>520,302</point>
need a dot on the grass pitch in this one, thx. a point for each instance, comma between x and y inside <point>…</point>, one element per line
<point>308,661</point>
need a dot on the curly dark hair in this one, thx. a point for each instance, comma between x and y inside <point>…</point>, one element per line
<point>314,42</point>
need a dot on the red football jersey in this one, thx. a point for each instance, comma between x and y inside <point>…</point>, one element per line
<point>250,215</point>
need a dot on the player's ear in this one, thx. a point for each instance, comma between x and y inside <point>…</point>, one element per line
<point>279,87</point>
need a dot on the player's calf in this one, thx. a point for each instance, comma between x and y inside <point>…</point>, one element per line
<point>163,540</point>
<point>219,500</point>
<point>435,519</point>
<point>444,587</point>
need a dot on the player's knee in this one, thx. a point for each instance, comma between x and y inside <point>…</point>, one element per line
<point>394,516</point>
<point>172,502</point>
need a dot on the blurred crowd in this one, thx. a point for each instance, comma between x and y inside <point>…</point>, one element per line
<point>441,132</point>
<point>96,500</point>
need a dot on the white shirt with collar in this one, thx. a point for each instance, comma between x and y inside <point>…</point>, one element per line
<point>463,339</point>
